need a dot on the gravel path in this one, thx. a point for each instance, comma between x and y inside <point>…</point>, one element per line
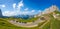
<point>28,24</point>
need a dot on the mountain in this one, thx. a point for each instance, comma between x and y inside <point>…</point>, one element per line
<point>50,20</point>
<point>1,13</point>
<point>48,10</point>
<point>23,16</point>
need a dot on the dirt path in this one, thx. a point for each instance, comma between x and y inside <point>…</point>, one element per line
<point>44,24</point>
<point>32,24</point>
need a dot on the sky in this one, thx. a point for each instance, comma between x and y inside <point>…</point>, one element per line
<point>30,7</point>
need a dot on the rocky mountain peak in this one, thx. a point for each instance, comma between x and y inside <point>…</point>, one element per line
<point>48,10</point>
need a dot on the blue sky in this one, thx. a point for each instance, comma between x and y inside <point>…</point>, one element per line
<point>16,7</point>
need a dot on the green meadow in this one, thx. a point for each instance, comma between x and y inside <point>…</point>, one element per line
<point>53,23</point>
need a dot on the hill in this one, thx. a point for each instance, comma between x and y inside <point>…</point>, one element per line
<point>48,20</point>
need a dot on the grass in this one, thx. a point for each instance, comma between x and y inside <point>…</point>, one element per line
<point>55,23</point>
<point>46,26</point>
<point>52,24</point>
<point>23,20</point>
<point>6,25</point>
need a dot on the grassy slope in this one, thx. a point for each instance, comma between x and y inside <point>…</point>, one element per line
<point>55,23</point>
<point>24,20</point>
<point>52,24</point>
<point>6,25</point>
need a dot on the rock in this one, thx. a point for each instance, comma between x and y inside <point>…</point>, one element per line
<point>1,13</point>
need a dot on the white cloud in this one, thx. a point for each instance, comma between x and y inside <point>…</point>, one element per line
<point>20,4</point>
<point>14,5</point>
<point>9,13</point>
<point>2,6</point>
<point>26,9</point>
<point>15,12</point>
<point>33,11</point>
<point>25,12</point>
<point>39,11</point>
